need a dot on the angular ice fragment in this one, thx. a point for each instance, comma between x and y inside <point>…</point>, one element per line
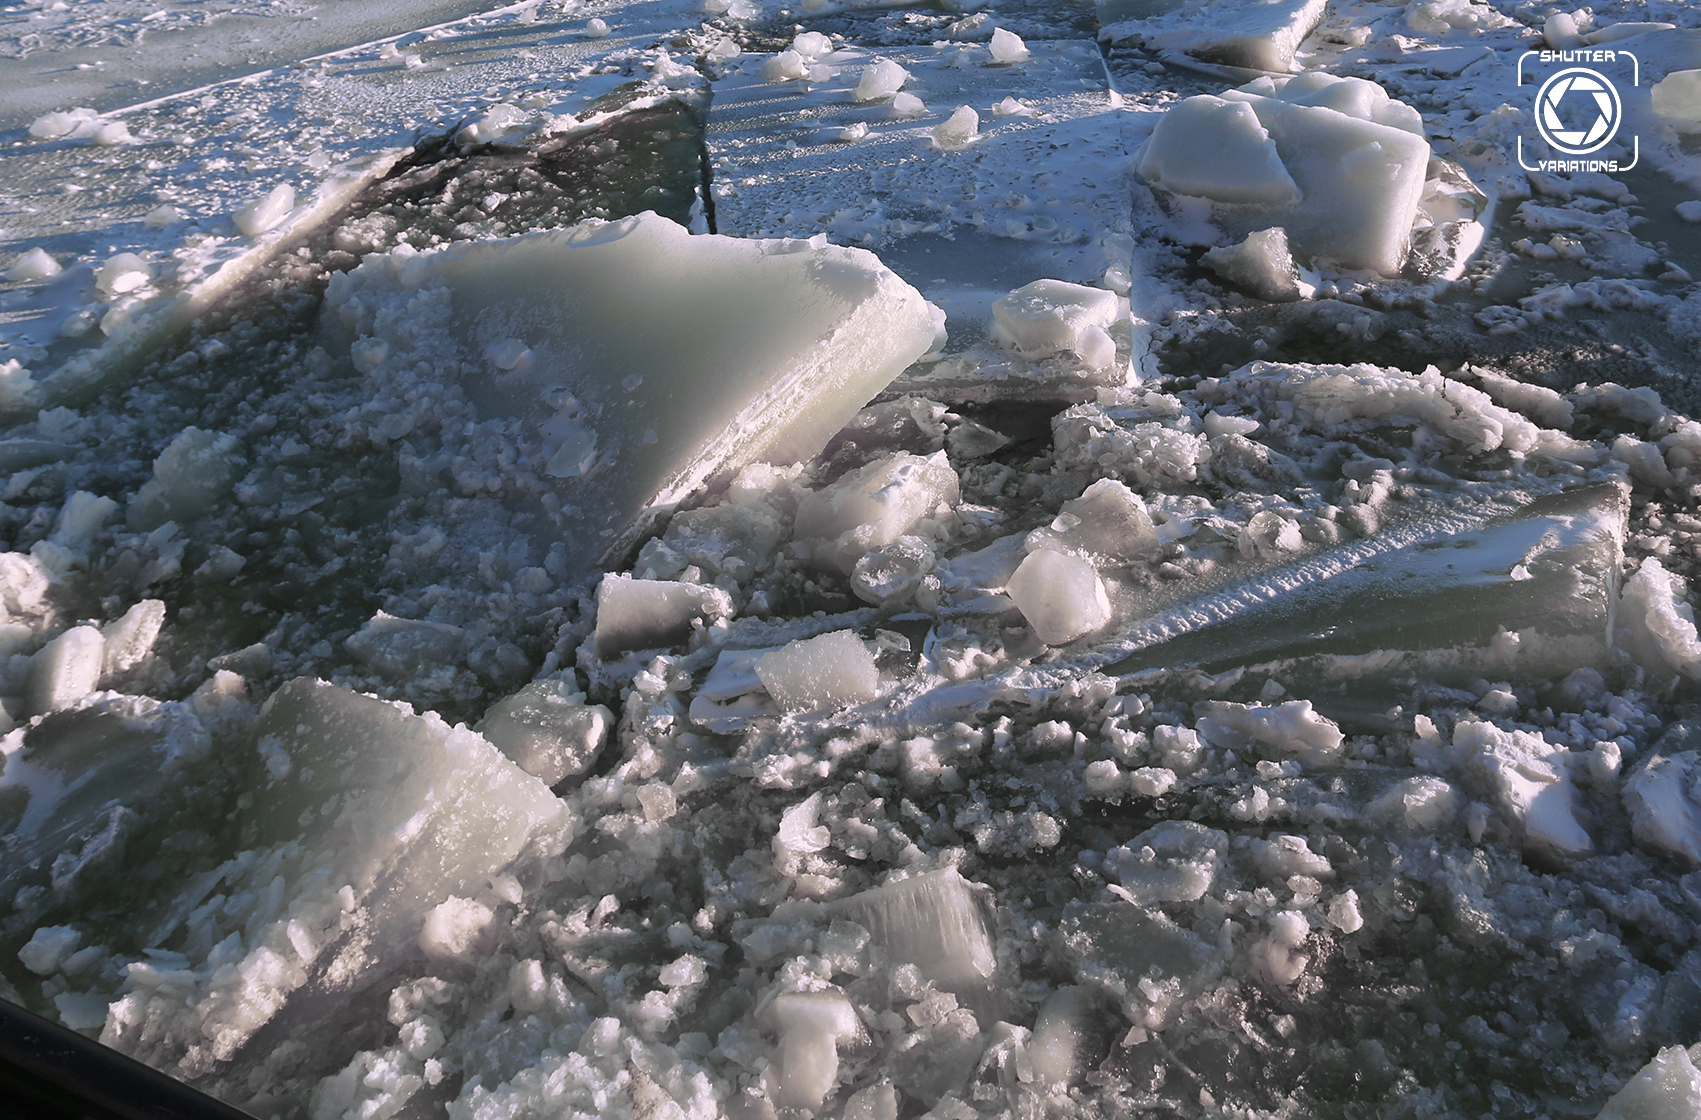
<point>265,212</point>
<point>829,671</point>
<point>129,639</point>
<point>1289,728</point>
<point>457,930</point>
<point>548,730</point>
<point>1061,596</point>
<point>1420,804</point>
<point>1655,624</point>
<point>812,45</point>
<point>1214,148</point>
<point>47,947</point>
<point>880,81</point>
<point>1419,589</point>
<point>1664,813</point>
<point>1056,1049</point>
<point>1357,163</point>
<point>33,265</point>
<point>874,506</point>
<point>1050,316</point>
<point>66,669</point>
<point>851,133</point>
<point>1532,780</point>
<point>749,350</point>
<point>400,648</point>
<point>653,613</point>
<point>122,272</point>
<point>907,105</point>
<point>892,573</point>
<point>937,921</point>
<point>1007,47</point>
<point>786,66</point>
<point>1148,965</point>
<point>194,472</point>
<point>809,1026</point>
<point>1252,34</point>
<point>1176,861</point>
<point>1667,1088</point>
<point>384,815</point>
<point>1264,266</point>
<point>53,126</point>
<point>110,134</point>
<point>1677,97</point>
<point>959,130</point>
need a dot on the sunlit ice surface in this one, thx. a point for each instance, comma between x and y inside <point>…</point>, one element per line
<point>856,560</point>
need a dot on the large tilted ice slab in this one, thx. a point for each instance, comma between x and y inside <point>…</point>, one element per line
<point>1334,161</point>
<point>641,361</point>
<point>1248,34</point>
<point>365,821</point>
<point>1534,586</point>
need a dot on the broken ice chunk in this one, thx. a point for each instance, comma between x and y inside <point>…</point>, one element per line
<point>1667,1088</point>
<point>1107,524</point>
<point>1532,780</point>
<point>1289,728</point>
<point>33,265</point>
<point>1057,1047</point>
<point>786,66</point>
<point>880,81</point>
<point>1007,47</point>
<point>1209,147</point>
<point>907,105</point>
<point>122,273</point>
<point>829,671</point>
<point>458,930</point>
<point>265,212</point>
<point>1677,97</point>
<point>1061,596</point>
<point>1421,804</point>
<point>191,475</point>
<point>1664,815</point>
<point>129,639</point>
<point>382,816</point>
<point>1050,316</point>
<point>66,669</point>
<point>1176,861</point>
<point>1427,590</point>
<point>548,729</point>
<point>400,648</point>
<point>959,130</point>
<point>937,921</point>
<point>894,572</point>
<point>1655,625</point>
<point>748,350</point>
<point>653,613</point>
<point>1149,966</point>
<point>874,506</point>
<point>809,1027</point>
<point>53,126</point>
<point>1264,266</point>
<point>1252,34</point>
<point>1355,160</point>
<point>732,693</point>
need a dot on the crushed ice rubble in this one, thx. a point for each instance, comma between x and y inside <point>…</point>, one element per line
<point>432,691</point>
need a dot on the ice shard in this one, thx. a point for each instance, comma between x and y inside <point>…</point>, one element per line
<point>652,362</point>
<point>1246,34</point>
<point>939,923</point>
<point>1537,584</point>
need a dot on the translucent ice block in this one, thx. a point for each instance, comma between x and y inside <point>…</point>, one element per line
<point>659,361</point>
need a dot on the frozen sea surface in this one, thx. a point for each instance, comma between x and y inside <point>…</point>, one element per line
<point>852,560</point>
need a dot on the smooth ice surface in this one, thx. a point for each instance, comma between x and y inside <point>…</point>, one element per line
<point>1061,596</point>
<point>1253,34</point>
<point>1349,169</point>
<point>399,648</point>
<point>660,361</point>
<point>653,613</point>
<point>829,671</point>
